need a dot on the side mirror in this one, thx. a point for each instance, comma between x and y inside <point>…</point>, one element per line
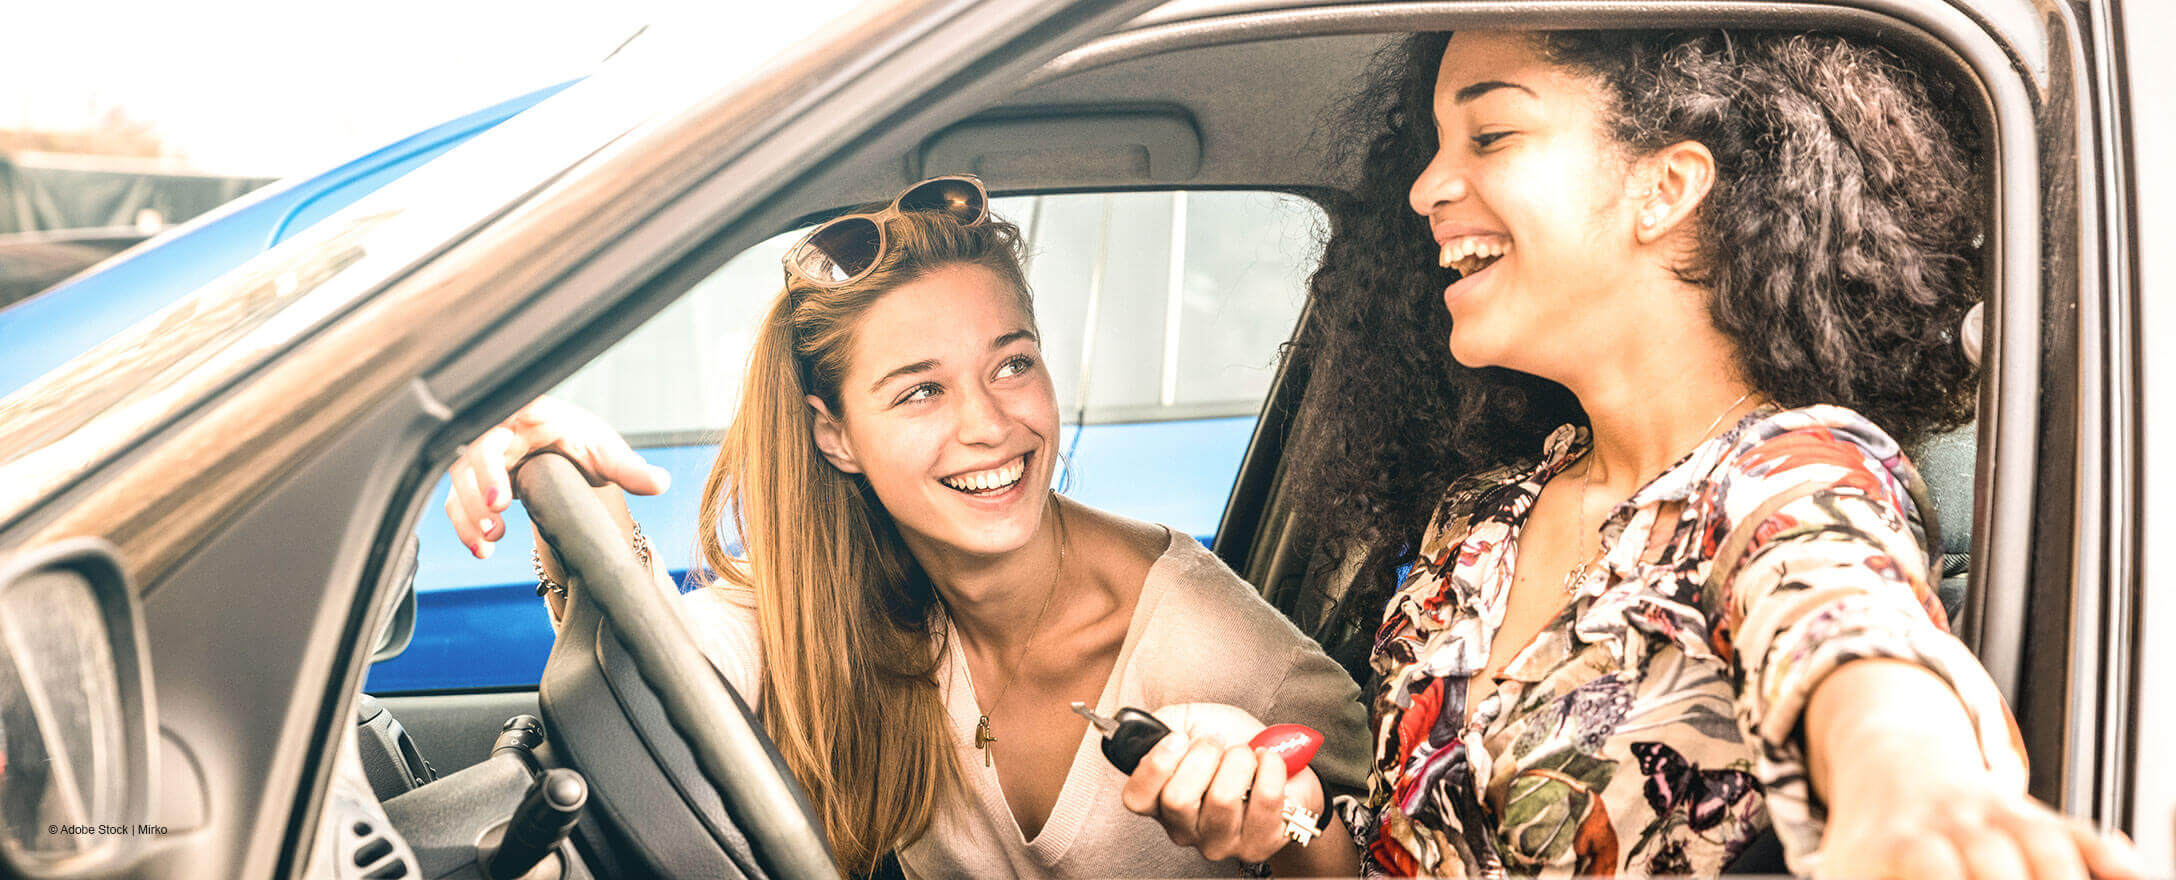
<point>400,626</point>
<point>77,718</point>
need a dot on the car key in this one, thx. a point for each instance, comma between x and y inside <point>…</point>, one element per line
<point>1129,737</point>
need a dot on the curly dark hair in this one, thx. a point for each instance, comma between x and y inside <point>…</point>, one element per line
<point>1838,246</point>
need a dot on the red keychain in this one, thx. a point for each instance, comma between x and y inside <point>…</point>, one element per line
<point>1295,743</point>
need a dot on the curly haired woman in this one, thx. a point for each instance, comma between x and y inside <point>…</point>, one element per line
<point>1665,567</point>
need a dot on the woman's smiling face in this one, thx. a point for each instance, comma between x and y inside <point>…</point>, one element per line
<point>948,410</point>
<point>1526,196</point>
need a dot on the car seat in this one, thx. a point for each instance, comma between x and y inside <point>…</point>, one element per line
<point>1947,461</point>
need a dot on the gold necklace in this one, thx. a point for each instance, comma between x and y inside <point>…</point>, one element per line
<point>1572,577</point>
<point>983,736</point>
<point>1586,478</point>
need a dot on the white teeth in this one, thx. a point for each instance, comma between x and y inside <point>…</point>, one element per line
<point>994,478</point>
<point>1470,246</point>
<point>1469,253</point>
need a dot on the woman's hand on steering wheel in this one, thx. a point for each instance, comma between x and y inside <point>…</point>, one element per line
<point>483,487</point>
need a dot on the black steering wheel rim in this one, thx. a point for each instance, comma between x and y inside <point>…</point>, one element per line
<point>727,741</point>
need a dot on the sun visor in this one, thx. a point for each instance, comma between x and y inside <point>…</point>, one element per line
<point>1079,146</point>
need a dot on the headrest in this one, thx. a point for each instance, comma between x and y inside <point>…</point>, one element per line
<point>1969,331</point>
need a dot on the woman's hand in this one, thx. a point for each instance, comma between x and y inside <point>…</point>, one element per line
<point>1209,789</point>
<point>482,482</point>
<point>1908,796</point>
<point>1213,792</point>
<point>1945,831</point>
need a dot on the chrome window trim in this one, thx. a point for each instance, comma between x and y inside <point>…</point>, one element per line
<point>2113,635</point>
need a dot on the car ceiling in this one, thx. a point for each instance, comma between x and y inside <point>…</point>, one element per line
<point>1262,109</point>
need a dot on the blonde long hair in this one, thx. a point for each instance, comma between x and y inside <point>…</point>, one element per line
<point>846,616</point>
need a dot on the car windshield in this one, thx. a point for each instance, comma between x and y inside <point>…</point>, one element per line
<point>74,417</point>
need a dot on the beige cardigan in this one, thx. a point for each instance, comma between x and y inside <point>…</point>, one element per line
<point>1199,634</point>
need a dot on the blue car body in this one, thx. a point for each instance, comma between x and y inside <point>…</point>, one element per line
<point>46,330</point>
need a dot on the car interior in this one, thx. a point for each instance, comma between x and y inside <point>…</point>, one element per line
<point>632,757</point>
<point>1211,110</point>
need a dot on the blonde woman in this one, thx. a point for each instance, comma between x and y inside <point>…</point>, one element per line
<point>915,610</point>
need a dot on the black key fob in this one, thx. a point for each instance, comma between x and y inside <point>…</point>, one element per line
<point>1137,732</point>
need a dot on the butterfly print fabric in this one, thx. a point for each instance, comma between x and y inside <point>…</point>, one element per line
<point>1651,726</point>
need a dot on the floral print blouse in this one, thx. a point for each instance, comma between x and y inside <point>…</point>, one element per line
<point>1650,727</point>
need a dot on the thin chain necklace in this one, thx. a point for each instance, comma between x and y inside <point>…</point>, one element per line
<point>1586,478</point>
<point>983,736</point>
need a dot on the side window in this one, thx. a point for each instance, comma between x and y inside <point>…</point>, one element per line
<point>1161,312</point>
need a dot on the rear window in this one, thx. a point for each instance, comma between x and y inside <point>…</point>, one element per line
<point>1155,306</point>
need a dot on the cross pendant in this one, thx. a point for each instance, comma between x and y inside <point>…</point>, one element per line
<point>983,738</point>
<point>1573,577</point>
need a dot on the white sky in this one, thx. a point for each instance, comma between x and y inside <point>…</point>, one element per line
<point>259,87</point>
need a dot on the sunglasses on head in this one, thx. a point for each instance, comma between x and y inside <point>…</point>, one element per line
<point>845,249</point>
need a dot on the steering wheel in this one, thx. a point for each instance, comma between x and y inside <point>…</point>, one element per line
<point>727,742</point>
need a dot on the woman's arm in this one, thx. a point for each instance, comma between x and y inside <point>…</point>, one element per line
<point>1891,751</point>
<point>615,501</point>
<point>482,475</point>
<point>483,482</point>
<point>1886,749</point>
<point>723,624</point>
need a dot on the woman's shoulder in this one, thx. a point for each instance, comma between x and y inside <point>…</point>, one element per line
<point>720,602</point>
<point>1775,458</point>
<point>1196,593</point>
<point>1189,597</point>
<point>1824,425</point>
<point>1821,444</point>
<point>1138,541</point>
<point>722,618</point>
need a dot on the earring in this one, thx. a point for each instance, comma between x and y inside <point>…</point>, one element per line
<point>1065,474</point>
<point>1647,220</point>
